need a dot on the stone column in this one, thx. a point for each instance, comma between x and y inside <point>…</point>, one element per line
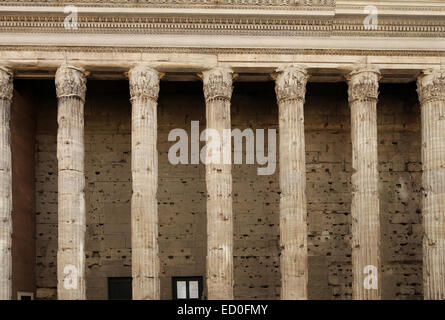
<point>5,185</point>
<point>71,88</point>
<point>144,90</point>
<point>363,95</point>
<point>431,89</point>
<point>290,88</point>
<point>218,91</point>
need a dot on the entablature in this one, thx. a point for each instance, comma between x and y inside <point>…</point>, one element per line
<point>253,37</point>
<point>251,65</point>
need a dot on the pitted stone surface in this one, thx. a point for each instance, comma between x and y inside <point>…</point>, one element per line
<point>182,192</point>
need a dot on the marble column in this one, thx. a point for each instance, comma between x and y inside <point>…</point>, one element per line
<point>218,92</point>
<point>290,88</point>
<point>71,89</point>
<point>144,90</point>
<point>431,89</point>
<point>363,95</point>
<point>5,185</point>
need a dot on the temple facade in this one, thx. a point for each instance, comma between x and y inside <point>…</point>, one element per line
<point>342,100</point>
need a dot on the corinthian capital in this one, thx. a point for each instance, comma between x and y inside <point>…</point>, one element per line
<point>71,82</point>
<point>218,83</point>
<point>431,86</point>
<point>290,83</point>
<point>144,82</point>
<point>5,83</point>
<point>363,84</point>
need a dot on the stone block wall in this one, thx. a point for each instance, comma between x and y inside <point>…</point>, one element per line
<point>182,191</point>
<point>400,166</point>
<point>328,188</point>
<point>256,200</point>
<point>23,188</point>
<point>107,192</point>
<point>46,191</point>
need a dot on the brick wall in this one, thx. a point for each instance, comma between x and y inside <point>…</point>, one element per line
<point>182,192</point>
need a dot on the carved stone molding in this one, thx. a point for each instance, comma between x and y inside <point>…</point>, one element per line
<point>302,24</point>
<point>306,18</point>
<point>6,87</point>
<point>71,82</point>
<point>35,49</point>
<point>363,84</point>
<point>202,24</point>
<point>144,82</point>
<point>287,4</point>
<point>290,83</point>
<point>218,83</point>
<point>221,17</point>
<point>431,86</point>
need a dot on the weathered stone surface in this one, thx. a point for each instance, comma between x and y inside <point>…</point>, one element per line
<point>290,89</point>
<point>218,92</point>
<point>431,89</point>
<point>365,210</point>
<point>144,90</point>
<point>70,90</point>
<point>6,90</point>
<point>182,190</point>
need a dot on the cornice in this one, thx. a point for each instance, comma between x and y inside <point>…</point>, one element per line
<point>324,22</point>
<point>166,24</point>
<point>197,50</point>
<point>231,4</point>
<point>218,27</point>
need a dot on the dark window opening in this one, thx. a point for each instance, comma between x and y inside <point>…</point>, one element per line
<point>120,288</point>
<point>21,295</point>
<point>187,287</point>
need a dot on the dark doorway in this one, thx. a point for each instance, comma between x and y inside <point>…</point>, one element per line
<point>119,288</point>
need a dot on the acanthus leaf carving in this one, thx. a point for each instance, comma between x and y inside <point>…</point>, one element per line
<point>70,82</point>
<point>363,84</point>
<point>290,83</point>
<point>431,86</point>
<point>144,82</point>
<point>218,83</point>
<point>6,88</point>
